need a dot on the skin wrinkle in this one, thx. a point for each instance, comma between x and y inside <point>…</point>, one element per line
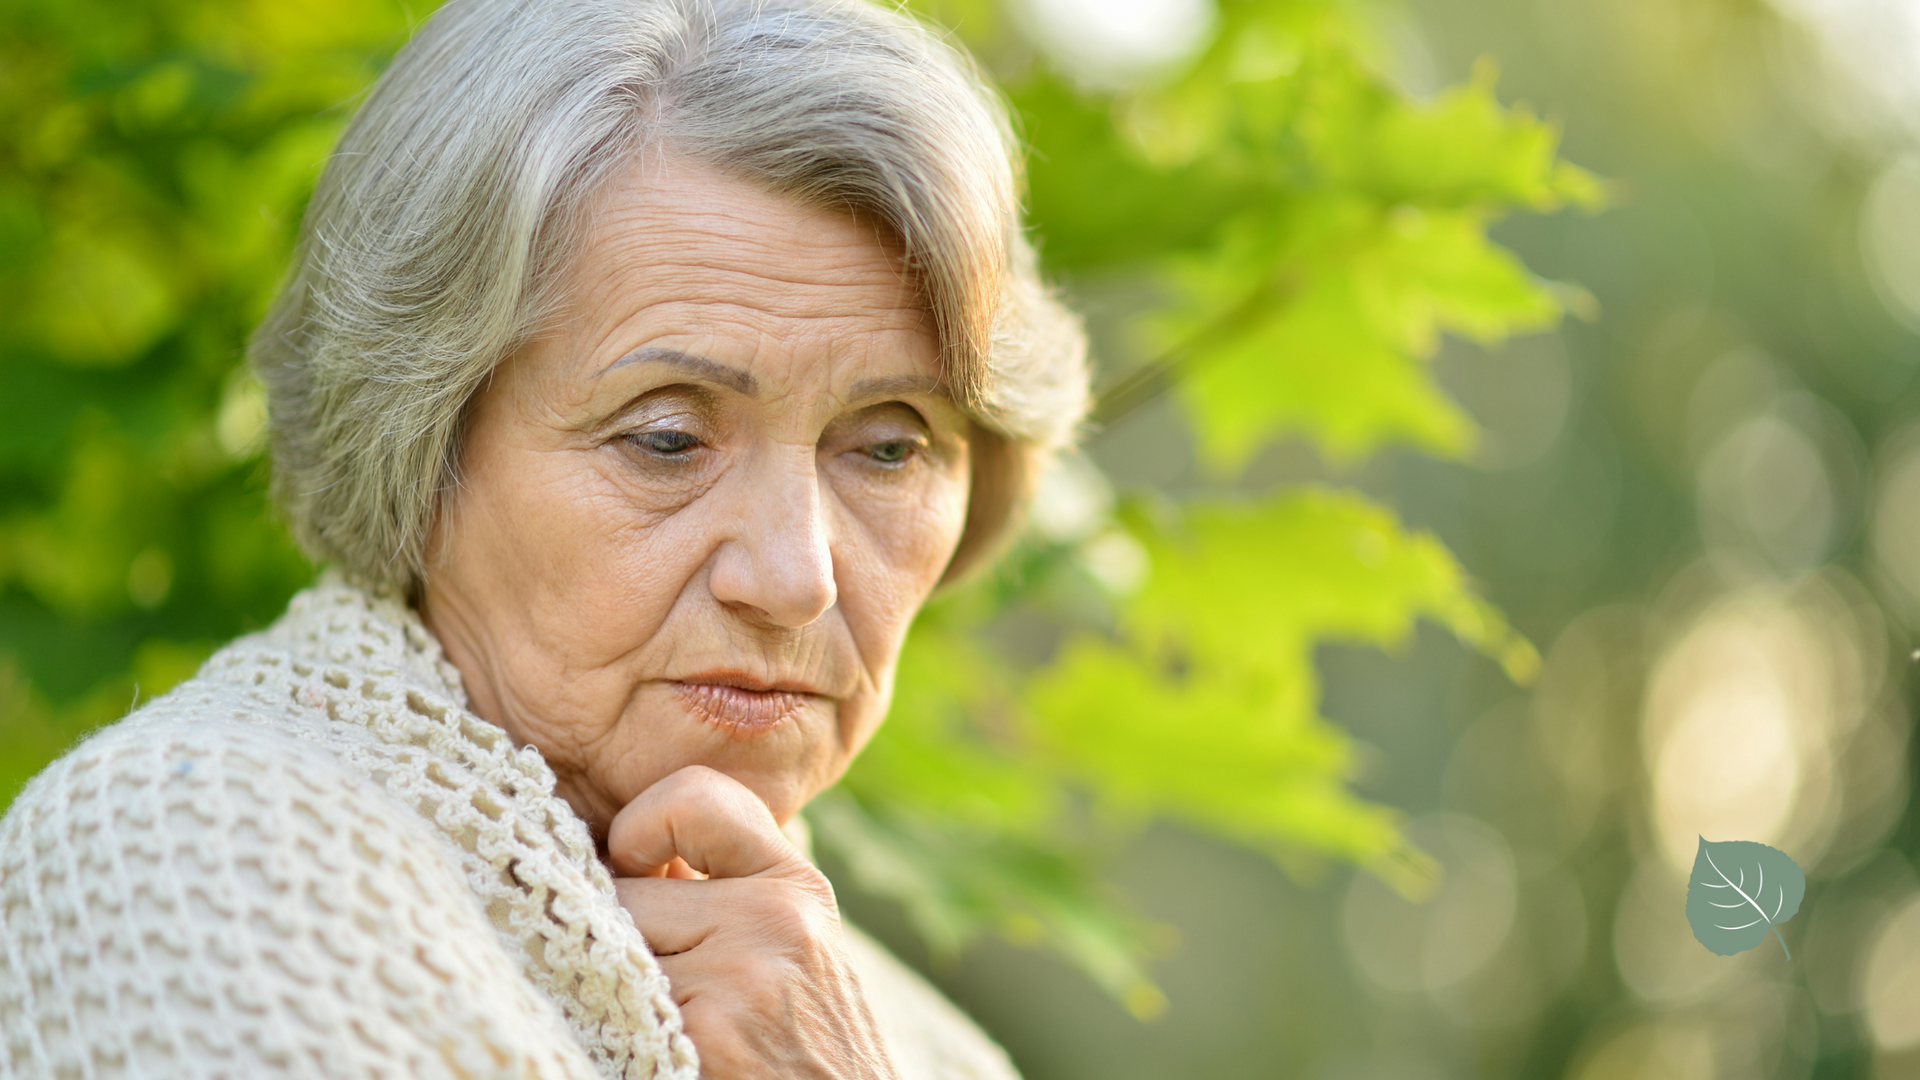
<point>744,382</point>
<point>577,572</point>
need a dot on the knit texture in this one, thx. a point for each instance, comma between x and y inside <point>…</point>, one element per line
<point>312,859</point>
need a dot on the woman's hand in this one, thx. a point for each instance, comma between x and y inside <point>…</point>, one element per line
<point>753,952</point>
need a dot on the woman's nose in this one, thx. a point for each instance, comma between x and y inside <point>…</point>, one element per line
<point>778,567</point>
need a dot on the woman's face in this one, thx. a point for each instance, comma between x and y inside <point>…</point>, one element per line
<point>697,516</point>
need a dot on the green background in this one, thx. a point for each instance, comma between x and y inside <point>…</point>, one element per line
<point>1239,771</point>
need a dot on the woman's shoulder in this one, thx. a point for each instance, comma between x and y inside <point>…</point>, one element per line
<point>265,709</point>
<point>232,735</point>
<point>204,752</point>
<point>197,889</point>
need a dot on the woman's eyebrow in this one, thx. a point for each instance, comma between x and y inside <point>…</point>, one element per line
<point>712,371</point>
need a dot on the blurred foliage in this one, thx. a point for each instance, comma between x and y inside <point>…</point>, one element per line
<point>1311,231</point>
<point>153,163</point>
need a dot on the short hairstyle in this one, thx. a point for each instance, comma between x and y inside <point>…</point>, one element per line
<point>436,236</point>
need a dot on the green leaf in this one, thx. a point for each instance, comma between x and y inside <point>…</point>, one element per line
<point>1148,740</point>
<point>1252,580</point>
<point>1738,891</point>
<point>1316,320</point>
<point>955,882</point>
<point>1351,235</point>
<point>1315,367</point>
<point>1461,149</point>
<point>1205,709</point>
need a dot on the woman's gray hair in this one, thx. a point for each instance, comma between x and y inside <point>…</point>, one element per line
<point>434,242</point>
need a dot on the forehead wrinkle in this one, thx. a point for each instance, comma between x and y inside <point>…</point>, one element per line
<point>890,385</point>
<point>711,370</point>
<point>864,277</point>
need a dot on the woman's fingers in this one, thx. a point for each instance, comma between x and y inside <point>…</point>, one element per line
<point>672,915</point>
<point>677,916</point>
<point>711,821</point>
<point>755,953</point>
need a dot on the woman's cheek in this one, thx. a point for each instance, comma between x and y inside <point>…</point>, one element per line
<point>646,492</point>
<point>896,540</point>
<point>913,526</point>
<point>947,511</point>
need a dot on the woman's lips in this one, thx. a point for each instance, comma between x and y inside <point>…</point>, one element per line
<point>742,706</point>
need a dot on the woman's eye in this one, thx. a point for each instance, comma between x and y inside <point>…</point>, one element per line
<point>668,443</point>
<point>891,452</point>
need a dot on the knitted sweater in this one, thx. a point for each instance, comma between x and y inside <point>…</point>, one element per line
<point>312,859</point>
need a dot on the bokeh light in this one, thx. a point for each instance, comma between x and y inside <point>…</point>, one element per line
<point>1116,42</point>
<point>1441,941</point>
<point>1706,505</point>
<point>1896,517</point>
<point>1680,1051</point>
<point>1866,50</point>
<point>1890,237</point>
<point>1765,483</point>
<point>1891,986</point>
<point>1739,712</point>
<point>1654,950</point>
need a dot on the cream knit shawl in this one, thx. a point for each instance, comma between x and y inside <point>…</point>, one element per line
<point>313,859</point>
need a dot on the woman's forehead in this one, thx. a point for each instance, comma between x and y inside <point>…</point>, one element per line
<point>690,220</point>
<point>732,283</point>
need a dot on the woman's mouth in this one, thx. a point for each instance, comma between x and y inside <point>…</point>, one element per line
<point>740,705</point>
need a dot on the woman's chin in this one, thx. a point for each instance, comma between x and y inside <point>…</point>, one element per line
<point>785,747</point>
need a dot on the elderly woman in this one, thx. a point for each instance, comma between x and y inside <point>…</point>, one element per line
<point>646,364</point>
